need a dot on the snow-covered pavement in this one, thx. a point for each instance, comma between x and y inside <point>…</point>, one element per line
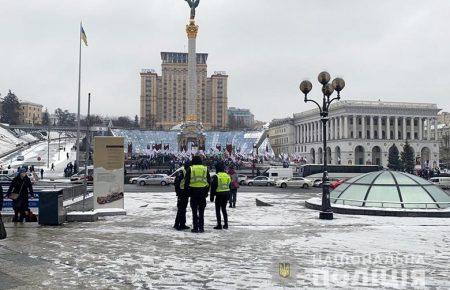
<point>40,151</point>
<point>142,251</point>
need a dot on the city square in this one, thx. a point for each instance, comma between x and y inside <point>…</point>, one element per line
<point>259,154</point>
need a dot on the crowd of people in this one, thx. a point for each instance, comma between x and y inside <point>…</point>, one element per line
<point>176,160</point>
<point>192,186</point>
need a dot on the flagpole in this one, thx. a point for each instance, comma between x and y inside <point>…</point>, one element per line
<point>79,101</point>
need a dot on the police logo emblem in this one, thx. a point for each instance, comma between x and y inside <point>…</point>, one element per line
<point>284,269</point>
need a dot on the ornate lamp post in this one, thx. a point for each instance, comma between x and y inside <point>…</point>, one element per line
<point>327,89</point>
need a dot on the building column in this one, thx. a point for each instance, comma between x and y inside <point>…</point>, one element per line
<point>428,129</point>
<point>363,127</point>
<point>371,128</point>
<point>388,127</point>
<point>318,131</point>
<point>313,132</point>
<point>355,119</point>
<point>341,127</point>
<point>404,128</point>
<point>304,133</point>
<point>380,127</point>
<point>412,128</point>
<point>420,128</point>
<point>300,133</point>
<point>330,129</point>
<point>310,132</point>
<point>396,128</point>
<point>435,130</point>
<point>346,127</point>
<point>336,127</point>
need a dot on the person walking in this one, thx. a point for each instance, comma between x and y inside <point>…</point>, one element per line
<point>182,198</point>
<point>42,173</point>
<point>18,191</point>
<point>53,167</point>
<point>233,187</point>
<point>220,190</point>
<point>197,183</point>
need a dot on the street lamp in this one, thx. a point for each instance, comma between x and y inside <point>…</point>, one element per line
<point>328,89</point>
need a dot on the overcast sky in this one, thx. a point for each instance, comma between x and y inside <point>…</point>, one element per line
<point>393,50</point>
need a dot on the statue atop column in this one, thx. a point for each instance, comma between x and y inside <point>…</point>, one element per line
<point>193,4</point>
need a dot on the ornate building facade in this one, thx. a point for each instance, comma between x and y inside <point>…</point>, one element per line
<point>163,98</point>
<point>362,132</point>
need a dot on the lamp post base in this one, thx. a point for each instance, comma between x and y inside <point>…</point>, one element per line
<point>326,215</point>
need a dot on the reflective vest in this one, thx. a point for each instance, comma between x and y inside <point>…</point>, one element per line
<point>223,182</point>
<point>182,182</point>
<point>198,176</point>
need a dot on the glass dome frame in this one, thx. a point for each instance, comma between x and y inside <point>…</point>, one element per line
<point>390,189</point>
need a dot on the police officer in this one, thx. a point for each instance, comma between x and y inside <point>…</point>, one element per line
<point>220,190</point>
<point>197,183</point>
<point>182,198</point>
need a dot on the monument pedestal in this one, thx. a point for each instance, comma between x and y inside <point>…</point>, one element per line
<point>191,136</point>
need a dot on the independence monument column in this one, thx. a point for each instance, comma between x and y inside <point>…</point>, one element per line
<point>191,110</point>
<point>192,136</point>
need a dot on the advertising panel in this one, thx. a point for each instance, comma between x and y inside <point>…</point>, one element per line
<point>108,172</point>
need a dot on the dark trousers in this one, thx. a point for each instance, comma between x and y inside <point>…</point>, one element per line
<point>198,204</point>
<point>16,215</point>
<point>233,194</point>
<point>182,203</point>
<point>221,204</point>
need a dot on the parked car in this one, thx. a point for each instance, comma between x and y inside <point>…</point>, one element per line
<point>261,181</point>
<point>155,179</point>
<point>443,182</point>
<point>336,183</point>
<point>80,176</point>
<point>294,182</point>
<point>242,178</point>
<point>134,180</point>
<point>317,182</point>
<point>20,158</point>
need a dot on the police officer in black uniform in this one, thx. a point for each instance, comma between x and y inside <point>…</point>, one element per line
<point>182,198</point>
<point>197,182</point>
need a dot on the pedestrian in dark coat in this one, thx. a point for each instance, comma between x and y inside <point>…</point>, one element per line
<point>22,187</point>
<point>42,173</point>
<point>182,198</point>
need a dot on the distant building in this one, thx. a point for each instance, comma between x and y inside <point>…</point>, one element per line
<point>240,118</point>
<point>360,132</point>
<point>30,113</point>
<point>163,98</point>
<point>281,136</point>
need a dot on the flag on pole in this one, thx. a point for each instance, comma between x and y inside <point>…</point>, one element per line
<point>83,35</point>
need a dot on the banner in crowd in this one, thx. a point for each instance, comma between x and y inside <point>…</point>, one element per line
<point>108,172</point>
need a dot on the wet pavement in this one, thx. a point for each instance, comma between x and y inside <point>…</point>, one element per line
<point>284,245</point>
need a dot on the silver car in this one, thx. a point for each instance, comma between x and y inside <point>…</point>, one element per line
<point>261,181</point>
<point>134,180</point>
<point>154,179</point>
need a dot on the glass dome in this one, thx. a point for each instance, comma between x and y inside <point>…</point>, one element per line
<point>390,189</point>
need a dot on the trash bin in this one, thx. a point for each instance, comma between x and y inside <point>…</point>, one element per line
<point>51,209</point>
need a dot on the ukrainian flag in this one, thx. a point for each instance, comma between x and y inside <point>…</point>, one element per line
<point>83,35</point>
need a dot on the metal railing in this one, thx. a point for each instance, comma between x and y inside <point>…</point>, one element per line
<point>366,202</point>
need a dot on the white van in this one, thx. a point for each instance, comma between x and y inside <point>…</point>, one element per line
<point>276,173</point>
<point>443,182</point>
